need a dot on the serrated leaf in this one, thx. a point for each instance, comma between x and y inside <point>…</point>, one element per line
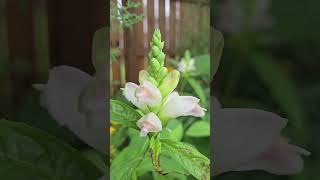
<point>125,164</point>
<point>30,153</point>
<point>198,90</point>
<point>188,157</point>
<point>123,114</point>
<point>199,129</point>
<point>216,50</point>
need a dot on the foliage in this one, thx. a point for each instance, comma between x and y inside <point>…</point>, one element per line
<point>37,155</point>
<point>165,156</point>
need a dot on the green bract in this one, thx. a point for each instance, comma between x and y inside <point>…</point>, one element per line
<point>156,68</point>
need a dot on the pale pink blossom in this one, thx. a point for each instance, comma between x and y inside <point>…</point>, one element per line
<point>149,123</point>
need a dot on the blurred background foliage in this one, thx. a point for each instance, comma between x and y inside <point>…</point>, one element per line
<point>270,61</point>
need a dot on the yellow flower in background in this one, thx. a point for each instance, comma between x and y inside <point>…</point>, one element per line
<point>112,127</point>
<point>112,130</point>
<point>170,68</point>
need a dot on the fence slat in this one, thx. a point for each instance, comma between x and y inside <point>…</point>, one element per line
<point>172,28</point>
<point>71,31</point>
<point>150,16</point>
<point>134,48</point>
<point>162,19</point>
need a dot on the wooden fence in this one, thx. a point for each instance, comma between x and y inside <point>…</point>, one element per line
<point>38,34</point>
<point>172,17</point>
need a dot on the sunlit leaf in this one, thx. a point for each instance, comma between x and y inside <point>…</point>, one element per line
<point>199,129</point>
<point>123,114</point>
<point>188,157</point>
<point>126,163</point>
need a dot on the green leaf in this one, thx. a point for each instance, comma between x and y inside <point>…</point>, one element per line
<point>97,158</point>
<point>202,64</point>
<point>123,114</point>
<point>198,90</point>
<point>125,164</point>
<point>168,165</point>
<point>155,147</point>
<point>30,153</point>
<point>217,48</point>
<point>188,157</point>
<point>199,129</point>
<point>174,130</point>
<point>100,49</point>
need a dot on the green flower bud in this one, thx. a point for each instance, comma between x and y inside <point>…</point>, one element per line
<point>162,73</point>
<point>143,75</point>
<point>187,55</point>
<point>155,41</point>
<point>152,80</point>
<point>155,65</point>
<point>155,51</point>
<point>169,83</point>
<point>161,58</point>
<point>160,44</point>
<point>156,57</point>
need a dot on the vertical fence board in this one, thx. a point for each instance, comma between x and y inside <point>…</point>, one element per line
<point>134,48</point>
<point>185,19</point>
<point>172,29</point>
<point>115,65</point>
<point>162,19</point>
<point>150,16</point>
<point>71,31</point>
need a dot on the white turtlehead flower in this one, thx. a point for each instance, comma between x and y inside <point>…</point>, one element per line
<point>176,106</point>
<point>250,139</point>
<point>149,123</point>
<point>142,96</point>
<point>62,97</point>
<point>186,66</point>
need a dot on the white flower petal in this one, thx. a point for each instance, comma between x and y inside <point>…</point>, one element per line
<point>280,158</point>
<point>149,123</point>
<point>93,96</point>
<point>197,111</point>
<point>148,93</point>
<point>61,96</point>
<point>179,106</point>
<point>242,134</point>
<point>170,96</point>
<point>129,92</point>
<point>182,65</point>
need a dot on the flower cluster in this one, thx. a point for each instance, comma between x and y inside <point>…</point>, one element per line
<point>187,63</point>
<point>155,96</point>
